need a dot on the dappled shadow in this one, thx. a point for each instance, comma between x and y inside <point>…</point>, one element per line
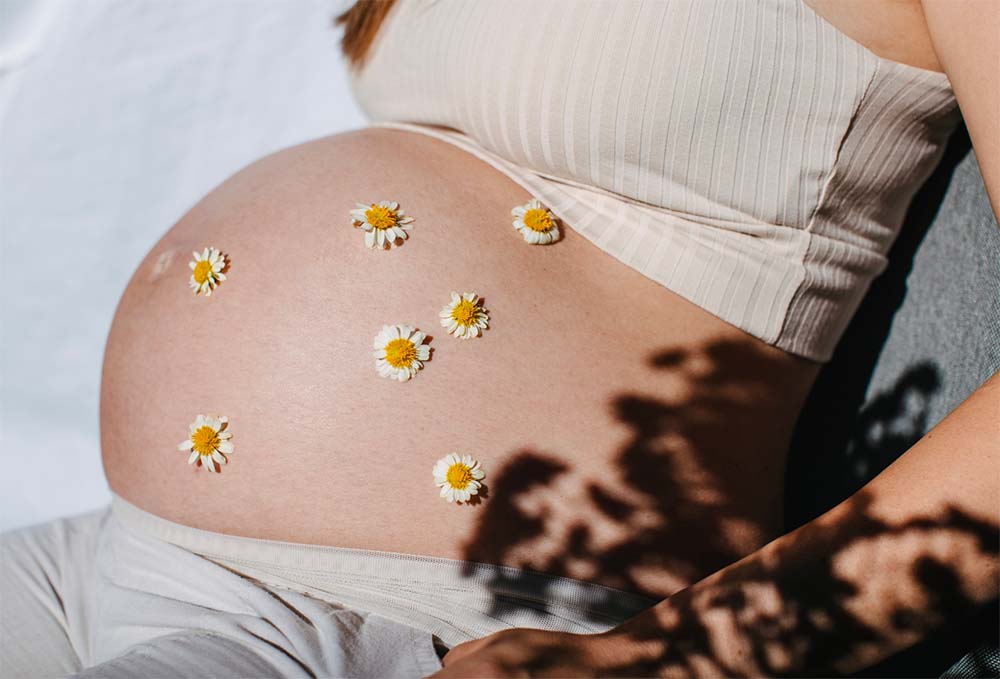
<point>885,386</point>
<point>828,464</point>
<point>683,501</point>
<point>835,448</point>
<point>797,611</point>
<point>687,473</point>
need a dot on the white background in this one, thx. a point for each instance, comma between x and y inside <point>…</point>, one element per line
<point>115,118</point>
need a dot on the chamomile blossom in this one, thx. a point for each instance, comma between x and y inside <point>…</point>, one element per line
<point>458,477</point>
<point>464,316</point>
<point>535,222</point>
<point>206,270</point>
<point>400,352</point>
<point>209,442</point>
<point>383,222</point>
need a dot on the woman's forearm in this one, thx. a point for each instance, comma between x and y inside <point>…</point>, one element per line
<point>910,551</point>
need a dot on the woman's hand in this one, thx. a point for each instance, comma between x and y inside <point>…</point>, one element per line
<point>525,652</point>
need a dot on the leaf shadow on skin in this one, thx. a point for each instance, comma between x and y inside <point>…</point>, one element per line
<point>680,527</point>
<point>675,508</point>
<point>808,626</point>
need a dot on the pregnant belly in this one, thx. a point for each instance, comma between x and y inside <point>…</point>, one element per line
<point>627,436</point>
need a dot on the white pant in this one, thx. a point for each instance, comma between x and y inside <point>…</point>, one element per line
<point>101,596</point>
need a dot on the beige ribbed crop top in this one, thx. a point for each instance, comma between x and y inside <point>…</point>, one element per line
<point>745,154</point>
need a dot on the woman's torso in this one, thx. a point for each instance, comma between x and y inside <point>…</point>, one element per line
<point>629,437</point>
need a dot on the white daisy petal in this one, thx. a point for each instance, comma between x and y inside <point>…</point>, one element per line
<point>383,222</point>
<point>458,477</point>
<point>206,270</point>
<point>209,440</point>
<point>463,315</point>
<point>399,351</point>
<point>536,223</point>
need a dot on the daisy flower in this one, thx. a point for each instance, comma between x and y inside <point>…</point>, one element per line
<point>400,352</point>
<point>206,270</point>
<point>383,222</point>
<point>535,222</point>
<point>208,442</point>
<point>458,477</point>
<point>464,316</point>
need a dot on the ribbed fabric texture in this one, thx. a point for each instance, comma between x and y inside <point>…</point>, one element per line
<point>745,154</point>
<point>455,599</point>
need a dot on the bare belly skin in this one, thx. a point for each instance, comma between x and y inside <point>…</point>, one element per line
<point>629,437</point>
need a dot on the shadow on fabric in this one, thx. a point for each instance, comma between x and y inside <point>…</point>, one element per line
<point>896,373</point>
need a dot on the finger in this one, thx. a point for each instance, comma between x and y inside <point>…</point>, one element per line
<point>461,650</point>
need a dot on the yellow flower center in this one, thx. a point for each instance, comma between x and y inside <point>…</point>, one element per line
<point>380,217</point>
<point>400,353</point>
<point>464,313</point>
<point>205,441</point>
<point>538,220</point>
<point>458,476</point>
<point>202,271</point>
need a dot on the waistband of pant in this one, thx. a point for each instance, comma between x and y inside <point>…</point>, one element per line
<point>299,562</point>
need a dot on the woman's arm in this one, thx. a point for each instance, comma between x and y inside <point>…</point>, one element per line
<point>915,549</point>
<point>966,38</point>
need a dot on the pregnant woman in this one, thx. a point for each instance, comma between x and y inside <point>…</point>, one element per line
<point>513,372</point>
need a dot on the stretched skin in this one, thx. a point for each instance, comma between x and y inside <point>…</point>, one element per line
<point>628,436</point>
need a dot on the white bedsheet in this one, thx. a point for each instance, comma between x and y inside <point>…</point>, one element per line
<point>116,117</point>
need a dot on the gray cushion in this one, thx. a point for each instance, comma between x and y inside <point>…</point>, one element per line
<point>925,337</point>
